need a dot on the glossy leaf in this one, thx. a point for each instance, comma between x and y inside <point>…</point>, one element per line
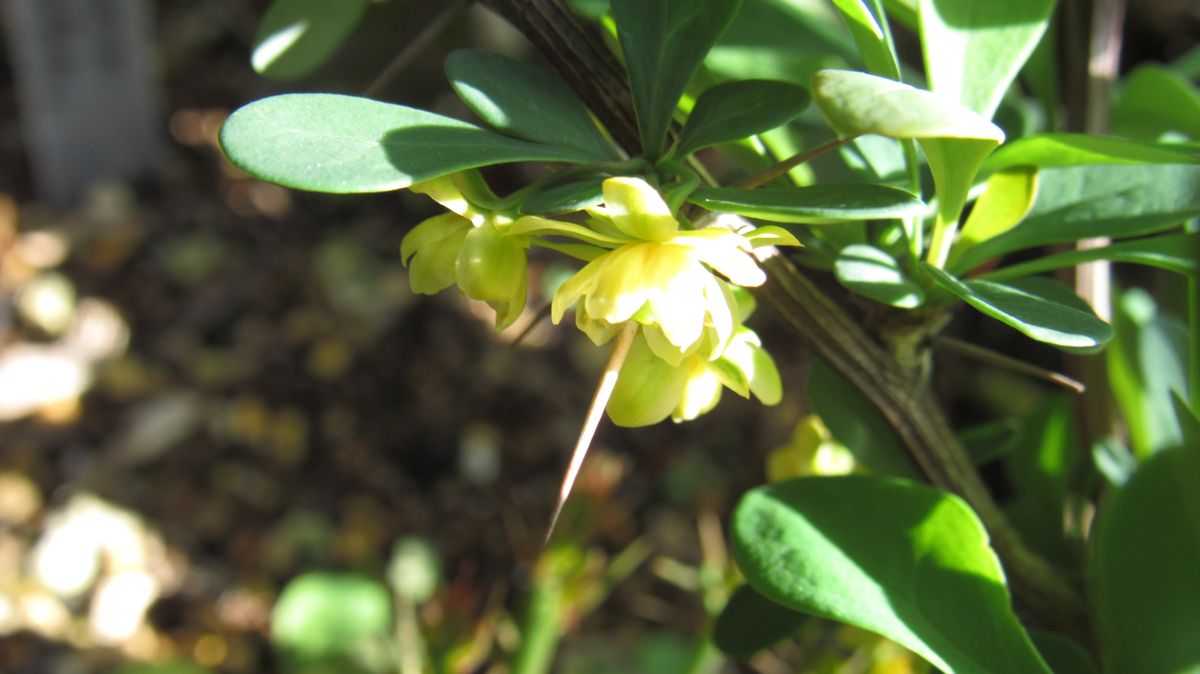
<point>1057,150</point>
<point>296,36</point>
<point>565,198</point>
<point>1143,573</point>
<point>664,42</point>
<point>906,561</point>
<point>868,37</point>
<point>857,103</point>
<point>1081,202</point>
<point>780,40</point>
<point>1039,308</point>
<point>1153,101</point>
<point>974,49</point>
<point>1179,253</point>
<point>345,144</point>
<point>736,110</point>
<point>873,273</point>
<point>856,423</point>
<point>525,101</point>
<point>1007,198</point>
<point>750,623</point>
<point>816,205</point>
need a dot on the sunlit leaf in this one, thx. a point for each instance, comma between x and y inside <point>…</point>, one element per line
<point>296,36</point>
<point>868,37</point>
<point>736,110</point>
<point>1179,253</point>
<point>873,273</point>
<point>324,617</point>
<point>817,204</point>
<point>905,561</point>
<point>1057,150</point>
<point>342,144</point>
<point>1007,198</point>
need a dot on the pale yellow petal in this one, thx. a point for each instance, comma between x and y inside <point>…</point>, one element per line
<point>637,209</point>
<point>622,287</point>
<point>575,287</point>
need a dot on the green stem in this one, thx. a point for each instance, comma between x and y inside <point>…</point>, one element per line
<point>542,627</point>
<point>1194,326</point>
<point>944,230</point>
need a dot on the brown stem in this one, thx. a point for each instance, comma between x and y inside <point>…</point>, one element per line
<point>822,325</point>
<point>773,172</point>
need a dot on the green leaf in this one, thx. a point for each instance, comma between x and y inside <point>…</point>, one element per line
<point>873,273</point>
<point>1114,461</point>
<point>736,110</point>
<point>296,36</point>
<point>177,667</point>
<point>869,38</point>
<point>1039,308</point>
<point>1008,197</point>
<point>346,144</point>
<point>750,623</point>
<point>328,616</point>
<point>857,103</point>
<point>1081,202</point>
<point>1038,470</point>
<point>565,198</point>
<point>905,561</point>
<point>525,101</point>
<point>814,205</point>
<point>1056,150</point>
<point>664,42</point>
<point>1143,576</point>
<point>973,49</point>
<point>1188,420</point>
<point>1179,253</point>
<point>1062,654</point>
<point>1154,101</point>
<point>856,423</point>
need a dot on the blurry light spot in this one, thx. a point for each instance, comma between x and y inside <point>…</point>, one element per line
<point>61,412</point>
<point>276,44</point>
<point>270,200</point>
<point>99,331</point>
<point>156,425</point>
<point>119,606</point>
<point>44,614</point>
<point>20,498</point>
<point>10,620</point>
<point>329,358</point>
<point>210,650</point>
<point>32,377</point>
<point>42,249</point>
<point>47,302</point>
<point>479,454</point>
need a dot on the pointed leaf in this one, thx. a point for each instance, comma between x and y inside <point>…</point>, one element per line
<point>525,101</point>
<point>869,38</point>
<point>1051,150</point>
<point>1008,197</point>
<point>736,110</point>
<point>974,50</point>
<point>857,103</point>
<point>296,36</point>
<point>1040,308</point>
<point>345,144</point>
<point>750,623</point>
<point>1081,202</point>
<point>1154,101</point>
<point>664,42</point>
<point>1143,573</point>
<point>873,273</point>
<point>566,198</point>
<point>815,205</point>
<point>906,561</point>
<point>1179,253</point>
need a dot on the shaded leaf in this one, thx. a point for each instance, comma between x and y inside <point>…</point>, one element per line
<point>344,144</point>
<point>974,50</point>
<point>296,36</point>
<point>566,198</point>
<point>816,204</point>
<point>1039,308</point>
<point>750,623</point>
<point>873,273</point>
<point>1038,469</point>
<point>1153,101</point>
<point>525,101</point>
<point>664,42</point>
<point>736,110</point>
<point>906,561</point>
<point>1179,253</point>
<point>781,40</point>
<point>1146,547</point>
<point>1062,654</point>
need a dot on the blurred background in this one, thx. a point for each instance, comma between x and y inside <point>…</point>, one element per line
<point>220,403</point>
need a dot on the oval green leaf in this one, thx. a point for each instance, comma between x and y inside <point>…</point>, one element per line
<point>296,36</point>
<point>566,198</point>
<point>814,205</point>
<point>1056,150</point>
<point>664,42</point>
<point>750,623</point>
<point>1153,101</point>
<point>1143,571</point>
<point>321,616</point>
<point>736,110</point>
<point>1041,309</point>
<point>525,101</point>
<point>347,144</point>
<point>905,561</point>
<point>874,274</point>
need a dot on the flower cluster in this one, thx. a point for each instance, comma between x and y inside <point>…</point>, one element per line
<point>681,286</point>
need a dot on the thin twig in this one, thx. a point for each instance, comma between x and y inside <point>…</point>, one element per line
<point>1008,362</point>
<point>537,319</point>
<point>415,49</point>
<point>608,380</point>
<point>769,174</point>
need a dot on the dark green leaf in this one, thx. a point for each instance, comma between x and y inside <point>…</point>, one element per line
<point>894,557</point>
<point>525,101</point>
<point>873,273</point>
<point>1114,461</point>
<point>1037,307</point>
<point>1063,655</point>
<point>566,198</point>
<point>780,40</point>
<point>1145,587</point>
<point>974,50</point>
<point>1154,101</point>
<point>1189,421</point>
<point>296,36</point>
<point>991,441</point>
<point>736,110</point>
<point>856,423</point>
<point>750,623</point>
<point>177,667</point>
<point>664,42</point>
<point>1088,201</point>
<point>343,144</point>
<point>814,205</point>
<point>1179,253</point>
<point>1058,150</point>
<point>1038,470</point>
